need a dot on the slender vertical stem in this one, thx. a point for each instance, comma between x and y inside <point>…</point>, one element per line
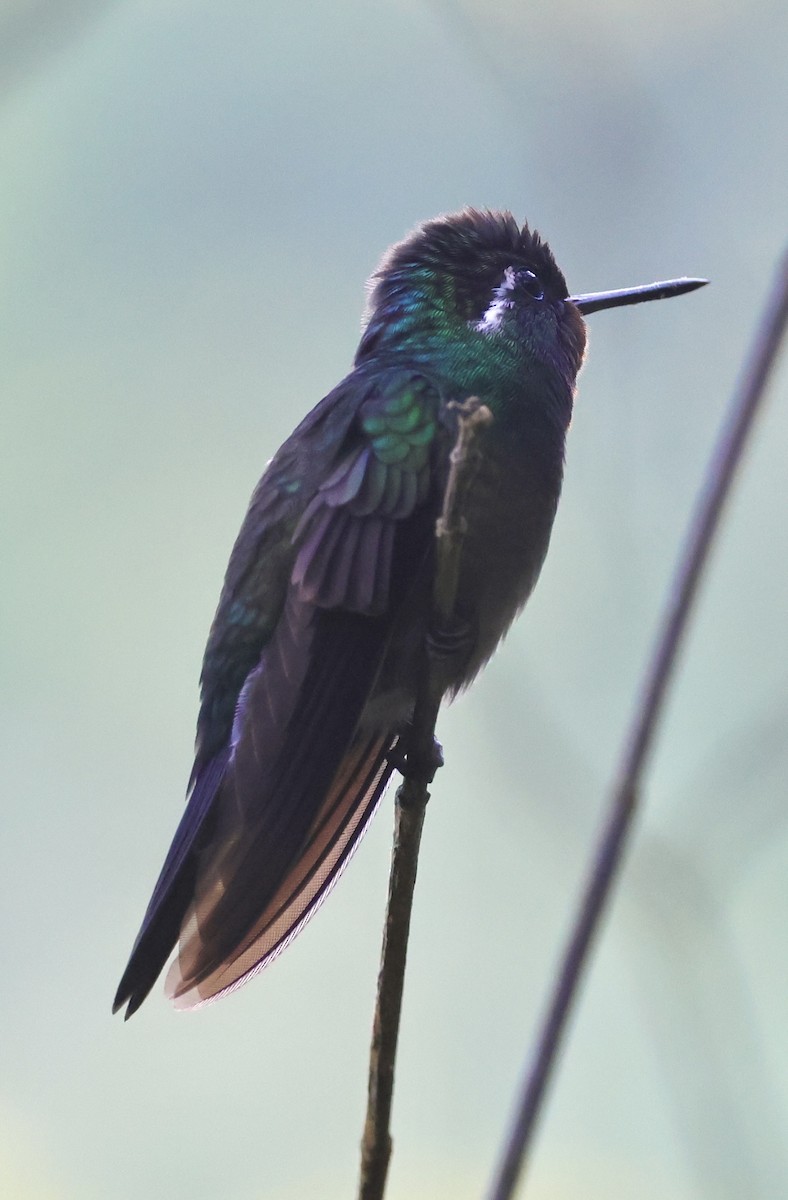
<point>376,1140</point>
<point>638,744</point>
<point>410,807</point>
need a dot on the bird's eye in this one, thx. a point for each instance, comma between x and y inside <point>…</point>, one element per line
<point>531,283</point>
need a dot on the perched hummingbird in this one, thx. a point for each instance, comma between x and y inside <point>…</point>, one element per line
<point>312,662</point>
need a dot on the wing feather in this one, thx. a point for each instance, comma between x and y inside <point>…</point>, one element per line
<point>285,781</point>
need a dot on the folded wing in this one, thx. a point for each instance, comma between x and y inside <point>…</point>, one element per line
<point>276,812</point>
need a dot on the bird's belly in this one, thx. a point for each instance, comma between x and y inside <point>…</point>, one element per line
<point>509,519</point>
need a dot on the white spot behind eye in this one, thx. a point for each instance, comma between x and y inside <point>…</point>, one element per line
<point>492,319</point>
<point>502,299</point>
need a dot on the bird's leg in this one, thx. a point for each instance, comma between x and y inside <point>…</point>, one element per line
<point>447,647</point>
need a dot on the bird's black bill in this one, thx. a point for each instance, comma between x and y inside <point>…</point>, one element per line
<point>594,301</point>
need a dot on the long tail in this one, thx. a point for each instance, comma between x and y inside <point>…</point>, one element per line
<point>339,826</point>
<point>273,819</point>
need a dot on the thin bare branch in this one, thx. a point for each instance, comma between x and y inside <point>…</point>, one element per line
<point>639,741</point>
<point>411,803</point>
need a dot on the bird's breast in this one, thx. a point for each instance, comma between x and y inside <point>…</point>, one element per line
<point>508,514</point>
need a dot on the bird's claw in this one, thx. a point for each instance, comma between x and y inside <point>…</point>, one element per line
<point>401,759</point>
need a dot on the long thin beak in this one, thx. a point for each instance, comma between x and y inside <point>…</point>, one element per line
<point>594,301</point>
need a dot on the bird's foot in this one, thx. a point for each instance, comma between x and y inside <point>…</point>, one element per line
<point>401,758</point>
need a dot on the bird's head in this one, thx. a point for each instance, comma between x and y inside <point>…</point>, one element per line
<point>469,275</point>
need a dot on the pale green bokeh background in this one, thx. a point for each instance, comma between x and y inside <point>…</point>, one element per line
<point>192,196</point>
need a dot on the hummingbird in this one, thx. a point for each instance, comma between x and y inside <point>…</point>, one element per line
<point>313,659</point>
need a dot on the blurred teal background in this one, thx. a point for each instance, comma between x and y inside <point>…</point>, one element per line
<point>192,197</point>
